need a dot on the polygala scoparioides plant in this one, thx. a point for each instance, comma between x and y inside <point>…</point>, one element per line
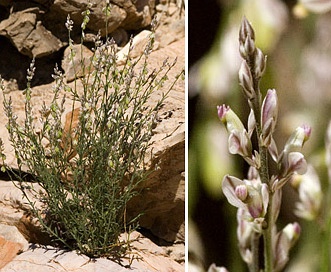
<point>258,198</point>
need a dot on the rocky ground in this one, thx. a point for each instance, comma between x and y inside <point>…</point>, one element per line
<point>161,246</point>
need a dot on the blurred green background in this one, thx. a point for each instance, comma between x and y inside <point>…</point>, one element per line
<point>297,40</point>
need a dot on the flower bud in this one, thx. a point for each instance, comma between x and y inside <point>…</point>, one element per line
<point>260,63</point>
<point>229,119</point>
<point>296,163</point>
<point>241,192</point>
<point>253,175</point>
<point>246,80</point>
<point>240,143</point>
<point>297,139</point>
<point>245,30</point>
<point>251,123</point>
<point>248,47</point>
<point>245,230</point>
<point>269,116</point>
<point>292,232</point>
<point>273,150</point>
<point>242,51</point>
<point>293,163</point>
<point>310,194</point>
<point>285,240</point>
<point>255,204</point>
<point>276,204</point>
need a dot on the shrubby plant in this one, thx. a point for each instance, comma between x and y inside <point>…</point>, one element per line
<point>258,197</point>
<point>89,168</point>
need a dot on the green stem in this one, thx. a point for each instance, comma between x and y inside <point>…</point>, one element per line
<point>267,236</point>
<point>267,232</point>
<point>264,174</point>
<point>255,242</point>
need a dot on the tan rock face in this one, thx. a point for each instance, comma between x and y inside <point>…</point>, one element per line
<point>61,8</point>
<point>70,64</point>
<point>145,257</point>
<point>30,37</point>
<point>8,251</point>
<point>38,29</point>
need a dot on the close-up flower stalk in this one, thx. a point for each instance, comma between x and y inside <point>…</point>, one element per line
<point>258,198</point>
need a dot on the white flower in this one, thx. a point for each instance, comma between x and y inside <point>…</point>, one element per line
<point>310,194</point>
<point>250,195</point>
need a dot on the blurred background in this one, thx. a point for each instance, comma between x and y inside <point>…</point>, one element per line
<point>296,37</point>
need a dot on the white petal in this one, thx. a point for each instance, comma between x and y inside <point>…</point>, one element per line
<point>229,185</point>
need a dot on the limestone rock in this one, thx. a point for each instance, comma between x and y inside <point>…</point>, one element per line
<point>162,200</point>
<point>146,257</point>
<point>61,9</point>
<point>139,13</point>
<point>12,234</point>
<point>8,251</point>
<point>177,32</point>
<point>75,66</point>
<point>139,43</point>
<point>28,35</point>
<point>9,214</point>
<point>13,208</point>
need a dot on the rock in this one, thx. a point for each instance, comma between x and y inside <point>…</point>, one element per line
<point>8,250</point>
<point>139,13</point>
<point>98,19</point>
<point>37,28</point>
<point>171,28</point>
<point>169,8</point>
<point>13,208</point>
<point>163,199</point>
<point>145,257</point>
<point>120,36</point>
<point>28,35</point>
<point>154,255</point>
<point>12,234</point>
<point>73,64</point>
<point>177,32</point>
<point>9,214</point>
<point>139,43</point>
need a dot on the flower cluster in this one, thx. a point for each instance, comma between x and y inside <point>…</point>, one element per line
<point>258,198</point>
